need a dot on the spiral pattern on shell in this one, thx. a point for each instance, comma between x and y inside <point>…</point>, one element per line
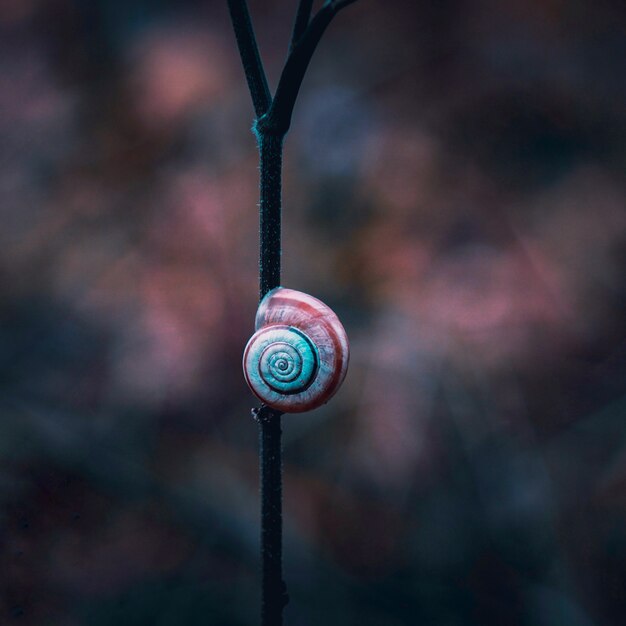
<point>298,356</point>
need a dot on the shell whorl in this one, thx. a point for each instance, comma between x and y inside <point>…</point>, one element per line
<point>298,356</point>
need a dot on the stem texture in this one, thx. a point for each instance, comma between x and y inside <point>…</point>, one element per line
<point>274,591</point>
<point>271,151</point>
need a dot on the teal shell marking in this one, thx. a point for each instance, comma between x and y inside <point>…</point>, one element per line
<point>298,357</point>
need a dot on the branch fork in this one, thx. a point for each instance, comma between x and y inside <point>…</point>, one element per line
<point>273,114</point>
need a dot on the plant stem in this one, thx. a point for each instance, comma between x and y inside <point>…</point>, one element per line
<point>250,57</point>
<point>271,158</point>
<point>277,119</point>
<point>273,589</point>
<point>303,15</point>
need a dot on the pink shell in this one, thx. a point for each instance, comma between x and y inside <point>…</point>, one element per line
<point>286,314</point>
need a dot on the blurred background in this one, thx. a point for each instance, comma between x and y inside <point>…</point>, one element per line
<point>453,189</point>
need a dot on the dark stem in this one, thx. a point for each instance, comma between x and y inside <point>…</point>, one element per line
<point>271,157</point>
<point>274,591</point>
<point>303,15</point>
<point>278,117</point>
<point>273,588</point>
<point>250,58</point>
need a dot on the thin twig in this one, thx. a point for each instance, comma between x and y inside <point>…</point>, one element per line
<point>278,117</point>
<point>250,57</point>
<point>303,15</point>
<point>340,4</point>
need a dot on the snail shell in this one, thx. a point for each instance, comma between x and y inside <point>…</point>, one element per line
<point>298,356</point>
